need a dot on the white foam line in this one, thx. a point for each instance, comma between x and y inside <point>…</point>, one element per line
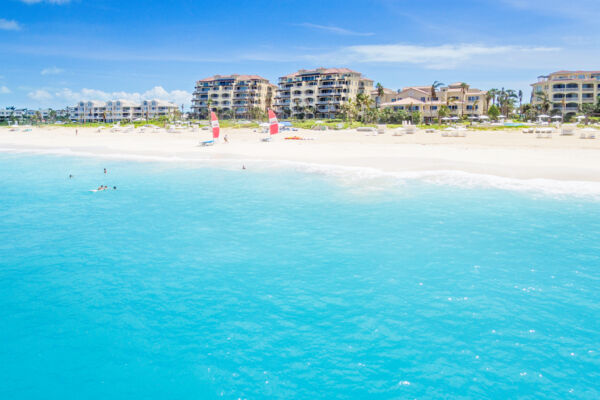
<point>348,174</point>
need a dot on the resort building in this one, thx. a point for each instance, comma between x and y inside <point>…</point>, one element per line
<point>232,96</point>
<point>388,95</point>
<point>566,91</point>
<point>319,93</point>
<point>122,110</point>
<point>460,99</point>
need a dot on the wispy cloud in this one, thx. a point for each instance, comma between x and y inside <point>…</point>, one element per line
<point>335,29</point>
<point>51,71</point>
<point>432,57</point>
<point>59,2</point>
<point>4,90</point>
<point>72,96</point>
<point>40,95</point>
<point>9,25</point>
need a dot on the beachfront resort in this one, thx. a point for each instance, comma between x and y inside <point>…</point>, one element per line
<point>566,92</point>
<point>232,96</point>
<point>122,110</point>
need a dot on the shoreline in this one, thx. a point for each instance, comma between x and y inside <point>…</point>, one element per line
<point>563,165</point>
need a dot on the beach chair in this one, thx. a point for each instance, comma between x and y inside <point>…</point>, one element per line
<point>410,129</point>
<point>567,131</point>
<point>398,132</point>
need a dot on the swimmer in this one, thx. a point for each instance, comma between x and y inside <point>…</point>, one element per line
<point>100,188</point>
<point>70,176</point>
<point>114,188</point>
<point>104,170</point>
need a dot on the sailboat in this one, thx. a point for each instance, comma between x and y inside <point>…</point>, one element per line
<point>273,125</point>
<point>216,129</point>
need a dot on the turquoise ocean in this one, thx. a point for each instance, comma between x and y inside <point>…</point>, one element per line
<point>204,282</point>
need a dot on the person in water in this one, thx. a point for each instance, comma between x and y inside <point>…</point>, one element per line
<point>104,170</point>
<point>70,176</point>
<point>114,188</point>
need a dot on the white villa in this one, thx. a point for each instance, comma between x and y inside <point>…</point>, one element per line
<point>121,110</point>
<point>567,91</point>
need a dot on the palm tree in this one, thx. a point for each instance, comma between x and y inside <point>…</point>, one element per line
<point>297,104</point>
<point>544,101</point>
<point>463,89</point>
<point>494,94</point>
<point>434,86</point>
<point>520,94</point>
<point>380,94</point>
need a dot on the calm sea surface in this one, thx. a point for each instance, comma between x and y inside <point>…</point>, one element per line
<point>205,283</point>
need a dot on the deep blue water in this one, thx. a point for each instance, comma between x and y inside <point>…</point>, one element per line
<point>200,283</point>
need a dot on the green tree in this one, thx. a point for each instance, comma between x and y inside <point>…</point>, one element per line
<point>443,112</point>
<point>545,104</point>
<point>463,90</point>
<point>493,112</point>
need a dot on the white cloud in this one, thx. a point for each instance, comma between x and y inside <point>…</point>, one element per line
<point>51,71</point>
<point>432,57</point>
<point>46,1</point>
<point>336,30</point>
<point>157,92</point>
<point>40,95</point>
<point>11,25</point>
<point>4,90</point>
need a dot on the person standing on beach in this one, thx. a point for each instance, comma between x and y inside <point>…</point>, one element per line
<point>76,132</point>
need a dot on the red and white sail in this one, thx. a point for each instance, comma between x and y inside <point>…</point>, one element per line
<point>214,123</point>
<point>273,124</point>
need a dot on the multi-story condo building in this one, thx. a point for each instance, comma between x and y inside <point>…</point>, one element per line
<point>461,100</point>
<point>232,95</point>
<point>319,93</point>
<point>121,110</point>
<point>566,91</point>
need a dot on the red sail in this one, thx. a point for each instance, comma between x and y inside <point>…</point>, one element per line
<point>214,122</point>
<point>273,124</point>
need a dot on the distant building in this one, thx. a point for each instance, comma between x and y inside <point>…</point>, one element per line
<point>319,93</point>
<point>232,95</point>
<point>121,110</point>
<point>460,100</point>
<point>388,95</point>
<point>567,91</point>
<point>19,114</point>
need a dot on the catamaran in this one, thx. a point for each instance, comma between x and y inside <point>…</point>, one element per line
<point>273,126</point>
<point>214,123</point>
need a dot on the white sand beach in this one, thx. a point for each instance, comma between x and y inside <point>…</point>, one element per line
<point>507,153</point>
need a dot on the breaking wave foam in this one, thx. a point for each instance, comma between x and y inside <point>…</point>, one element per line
<point>352,175</point>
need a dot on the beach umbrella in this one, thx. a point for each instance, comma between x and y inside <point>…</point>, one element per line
<point>557,117</point>
<point>543,116</point>
<point>454,118</point>
<point>484,117</point>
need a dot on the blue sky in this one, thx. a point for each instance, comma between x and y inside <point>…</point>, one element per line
<point>54,52</point>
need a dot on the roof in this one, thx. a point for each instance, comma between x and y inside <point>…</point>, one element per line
<point>385,91</point>
<point>424,89</point>
<point>233,77</point>
<point>322,71</point>
<point>574,72</point>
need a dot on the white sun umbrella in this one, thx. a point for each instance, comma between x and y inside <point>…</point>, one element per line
<point>445,119</point>
<point>580,117</point>
<point>557,117</point>
<point>543,116</point>
<point>454,118</point>
<point>484,117</point>
<point>473,117</point>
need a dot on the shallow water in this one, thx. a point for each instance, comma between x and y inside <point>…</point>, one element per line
<point>207,283</point>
